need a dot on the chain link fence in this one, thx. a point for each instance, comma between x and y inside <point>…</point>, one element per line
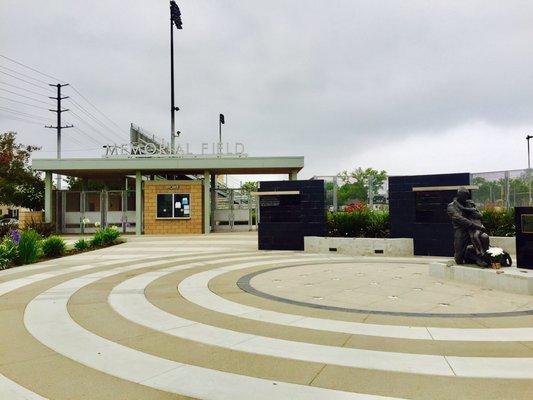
<point>505,189</point>
<point>337,198</point>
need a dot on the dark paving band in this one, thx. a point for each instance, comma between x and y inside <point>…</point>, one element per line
<point>244,284</point>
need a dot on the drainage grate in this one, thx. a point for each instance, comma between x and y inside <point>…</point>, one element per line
<point>332,249</point>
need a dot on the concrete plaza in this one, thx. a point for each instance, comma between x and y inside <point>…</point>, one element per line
<point>210,317</point>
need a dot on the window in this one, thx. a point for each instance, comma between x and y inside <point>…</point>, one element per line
<point>176,205</point>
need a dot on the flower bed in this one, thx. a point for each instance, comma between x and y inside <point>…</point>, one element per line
<point>27,246</point>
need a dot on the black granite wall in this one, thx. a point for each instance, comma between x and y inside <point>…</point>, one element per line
<point>284,220</point>
<point>524,237</point>
<point>422,215</point>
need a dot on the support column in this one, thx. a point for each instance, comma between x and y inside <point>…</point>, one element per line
<point>293,176</point>
<point>213,201</point>
<point>84,184</point>
<point>207,202</point>
<point>48,197</point>
<point>138,203</point>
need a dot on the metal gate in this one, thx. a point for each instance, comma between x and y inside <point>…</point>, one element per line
<point>85,212</point>
<point>235,210</point>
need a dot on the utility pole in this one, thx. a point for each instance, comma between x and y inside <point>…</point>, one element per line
<point>59,127</point>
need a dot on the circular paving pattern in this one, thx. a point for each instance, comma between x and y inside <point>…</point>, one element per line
<point>164,318</point>
<point>375,287</point>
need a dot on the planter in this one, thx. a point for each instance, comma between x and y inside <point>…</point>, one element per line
<point>402,247</point>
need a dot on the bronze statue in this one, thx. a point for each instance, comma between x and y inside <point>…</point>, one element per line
<point>471,240</point>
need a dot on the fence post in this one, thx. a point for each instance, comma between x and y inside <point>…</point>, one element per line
<point>507,190</point>
<point>335,205</point>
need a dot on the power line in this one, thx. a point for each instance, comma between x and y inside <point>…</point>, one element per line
<point>13,111</point>
<point>23,80</point>
<point>26,97</point>
<point>89,125</point>
<point>76,104</point>
<point>13,117</point>
<point>87,135</point>
<point>72,137</point>
<point>90,115</point>
<point>21,102</point>
<point>96,108</point>
<point>33,69</point>
<point>24,75</point>
<point>26,90</point>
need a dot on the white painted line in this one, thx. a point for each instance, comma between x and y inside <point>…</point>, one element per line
<point>128,300</point>
<point>13,391</point>
<point>195,289</point>
<point>10,390</point>
<point>48,320</point>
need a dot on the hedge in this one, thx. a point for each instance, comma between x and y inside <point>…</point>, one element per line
<point>376,224</point>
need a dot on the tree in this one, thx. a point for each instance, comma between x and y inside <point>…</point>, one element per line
<point>249,186</point>
<point>356,184</point>
<point>19,185</point>
<point>76,184</point>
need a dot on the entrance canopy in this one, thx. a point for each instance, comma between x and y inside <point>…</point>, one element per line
<point>98,167</point>
<point>109,169</point>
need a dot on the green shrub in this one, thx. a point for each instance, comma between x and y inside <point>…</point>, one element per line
<point>44,229</point>
<point>54,246</point>
<point>28,249</point>
<point>8,252</point>
<point>82,244</point>
<point>499,222</point>
<point>105,237</point>
<point>359,223</point>
<point>378,225</point>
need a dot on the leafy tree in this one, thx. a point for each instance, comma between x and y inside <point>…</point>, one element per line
<point>76,184</point>
<point>356,184</point>
<point>494,192</point>
<point>19,185</point>
<point>249,186</point>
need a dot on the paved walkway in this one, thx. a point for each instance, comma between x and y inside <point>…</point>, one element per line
<point>167,318</point>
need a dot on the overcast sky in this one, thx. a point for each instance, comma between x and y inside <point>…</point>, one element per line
<point>406,86</point>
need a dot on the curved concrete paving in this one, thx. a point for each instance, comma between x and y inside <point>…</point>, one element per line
<point>173,334</point>
<point>196,290</point>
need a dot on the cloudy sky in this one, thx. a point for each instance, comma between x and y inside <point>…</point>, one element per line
<point>405,86</point>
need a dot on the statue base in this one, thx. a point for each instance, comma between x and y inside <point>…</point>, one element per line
<point>510,279</point>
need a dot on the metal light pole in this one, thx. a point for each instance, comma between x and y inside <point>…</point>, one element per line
<point>175,18</point>
<point>221,121</point>
<point>529,168</point>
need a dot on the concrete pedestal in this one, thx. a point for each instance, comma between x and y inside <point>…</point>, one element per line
<point>511,279</point>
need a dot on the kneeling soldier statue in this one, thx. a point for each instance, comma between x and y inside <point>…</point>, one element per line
<point>471,240</point>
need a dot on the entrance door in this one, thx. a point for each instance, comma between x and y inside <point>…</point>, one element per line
<point>234,211</point>
<point>120,210</point>
<point>114,214</point>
